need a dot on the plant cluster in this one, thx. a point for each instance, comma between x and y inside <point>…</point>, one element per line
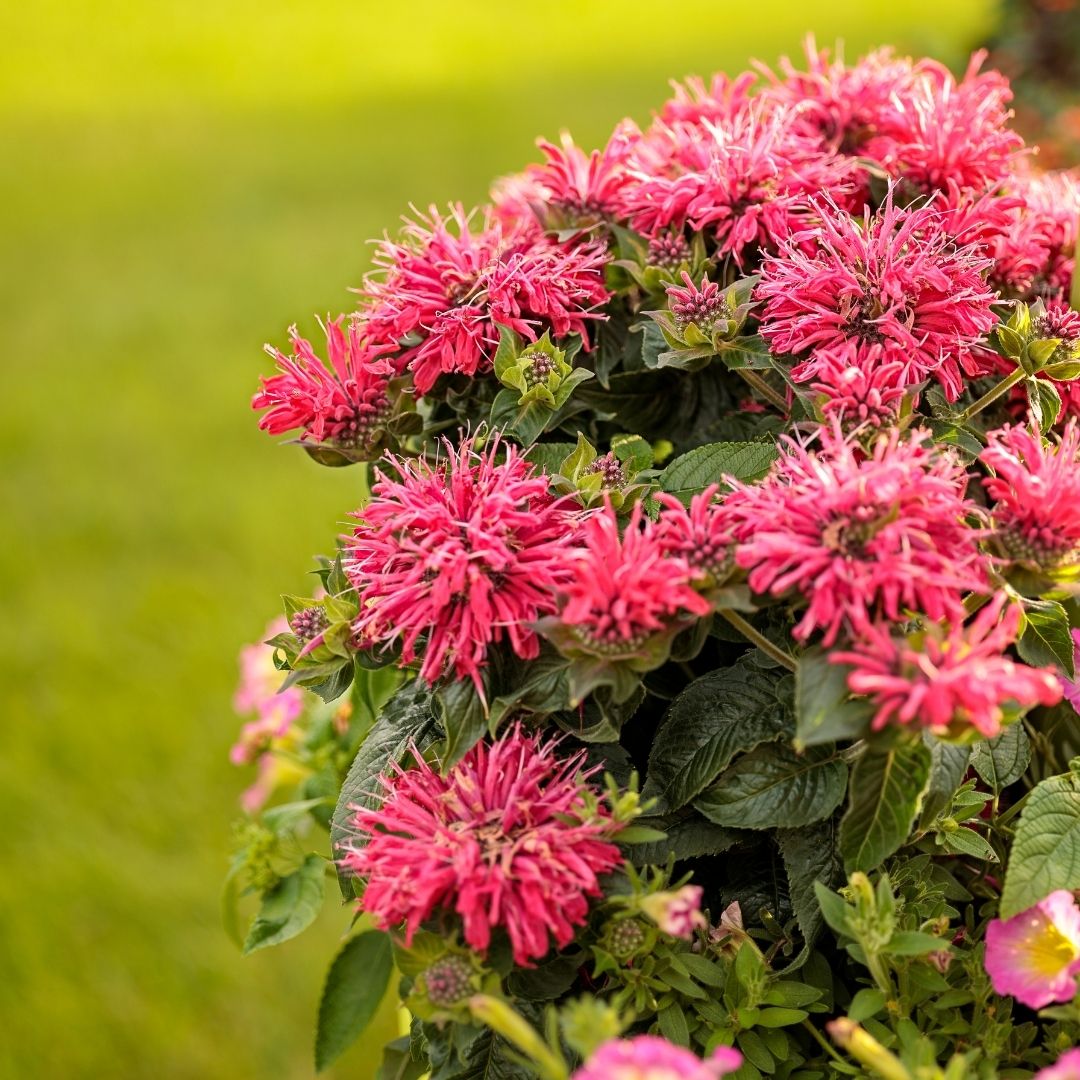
<point>693,692</point>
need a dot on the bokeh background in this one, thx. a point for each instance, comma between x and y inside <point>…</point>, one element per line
<point>180,181</point>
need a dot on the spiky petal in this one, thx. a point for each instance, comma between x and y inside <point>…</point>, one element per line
<point>509,838</point>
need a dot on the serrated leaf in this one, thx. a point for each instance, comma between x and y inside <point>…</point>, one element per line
<point>825,711</point>
<point>948,763</point>
<point>354,987</point>
<point>398,1062</point>
<point>289,907</point>
<point>548,457</point>
<point>1003,760</point>
<point>486,1057</point>
<point>810,859</point>
<point>1045,855</point>
<point>406,718</point>
<point>886,792</point>
<point>689,838</point>
<point>774,787</point>
<point>1047,639</point>
<point>464,720</point>
<point>726,712</point>
<point>696,470</point>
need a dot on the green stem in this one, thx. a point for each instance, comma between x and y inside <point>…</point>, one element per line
<point>759,639</point>
<point>824,1043</point>
<point>992,395</point>
<point>764,389</point>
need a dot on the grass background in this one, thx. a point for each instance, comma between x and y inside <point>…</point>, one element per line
<point>181,181</point>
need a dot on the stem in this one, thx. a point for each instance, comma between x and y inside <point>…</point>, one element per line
<point>992,395</point>
<point>764,389</point>
<point>785,659</point>
<point>824,1043</point>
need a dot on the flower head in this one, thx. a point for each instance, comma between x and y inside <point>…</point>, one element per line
<point>895,278</point>
<point>745,180</point>
<point>624,590</point>
<point>860,534</point>
<point>1067,1067</point>
<point>699,534</point>
<point>441,292</point>
<point>677,913</point>
<point>509,838</point>
<point>702,306</point>
<point>858,383</point>
<point>344,404</point>
<point>1036,493</point>
<point>948,680</point>
<point>461,554</point>
<point>939,130</point>
<point>648,1057</point>
<point>1035,956</point>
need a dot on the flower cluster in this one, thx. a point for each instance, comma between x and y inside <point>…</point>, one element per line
<point>506,839</point>
<point>736,461</point>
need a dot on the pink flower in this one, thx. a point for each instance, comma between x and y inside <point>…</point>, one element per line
<point>720,102</point>
<point>745,180</point>
<point>703,306</point>
<point>342,404</point>
<point>508,838</point>
<point>936,130</point>
<point>622,590</point>
<point>442,292</point>
<point>841,105</point>
<point>699,535</point>
<point>860,534</point>
<point>858,383</point>
<point>259,693</point>
<point>895,279</point>
<point>948,680</point>
<point>1071,687</point>
<point>585,186</point>
<point>1067,1067</point>
<point>1035,956</point>
<point>458,555</point>
<point>677,913</point>
<point>648,1057</point>
<point>1036,492</point>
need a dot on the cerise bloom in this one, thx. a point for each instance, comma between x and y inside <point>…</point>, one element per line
<point>700,534</point>
<point>458,554</point>
<point>342,405</point>
<point>895,278</point>
<point>443,291</point>
<point>623,590</point>
<point>649,1057</point>
<point>860,534</point>
<point>1036,492</point>
<point>938,130</point>
<point>510,837</point>
<point>744,180</point>
<point>857,383</point>
<point>950,680</point>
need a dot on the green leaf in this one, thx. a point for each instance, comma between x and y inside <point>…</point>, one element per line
<point>354,986</point>
<point>706,971</point>
<point>464,720</point>
<point>689,838</point>
<point>398,1062</point>
<point>724,713</point>
<point>948,764</point>
<point>289,907</point>
<point>810,859</point>
<point>1002,761</point>
<point>1046,639</point>
<point>866,1003</point>
<point>964,841</point>
<point>548,457</point>
<point>1045,855</point>
<point>486,1057</point>
<point>834,910</point>
<point>887,787</point>
<point>914,943</point>
<point>633,451</point>
<point>774,787</point>
<point>692,472</point>
<point>825,711</point>
<point>406,718</point>
<point>672,1024</point>
<point>1043,396</point>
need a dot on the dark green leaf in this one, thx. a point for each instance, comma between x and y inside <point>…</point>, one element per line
<point>810,857</point>
<point>398,1062</point>
<point>724,713</point>
<point>825,711</point>
<point>1002,761</point>
<point>354,986</point>
<point>464,720</point>
<point>1046,639</point>
<point>692,472</point>
<point>887,787</point>
<point>289,907</point>
<point>689,838</point>
<point>406,718</point>
<point>1045,855</point>
<point>948,764</point>
<point>774,787</point>
<point>547,457</point>
<point>672,1024</point>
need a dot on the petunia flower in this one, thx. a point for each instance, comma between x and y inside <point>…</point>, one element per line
<point>649,1057</point>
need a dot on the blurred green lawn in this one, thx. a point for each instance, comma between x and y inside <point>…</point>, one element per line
<point>181,182</point>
